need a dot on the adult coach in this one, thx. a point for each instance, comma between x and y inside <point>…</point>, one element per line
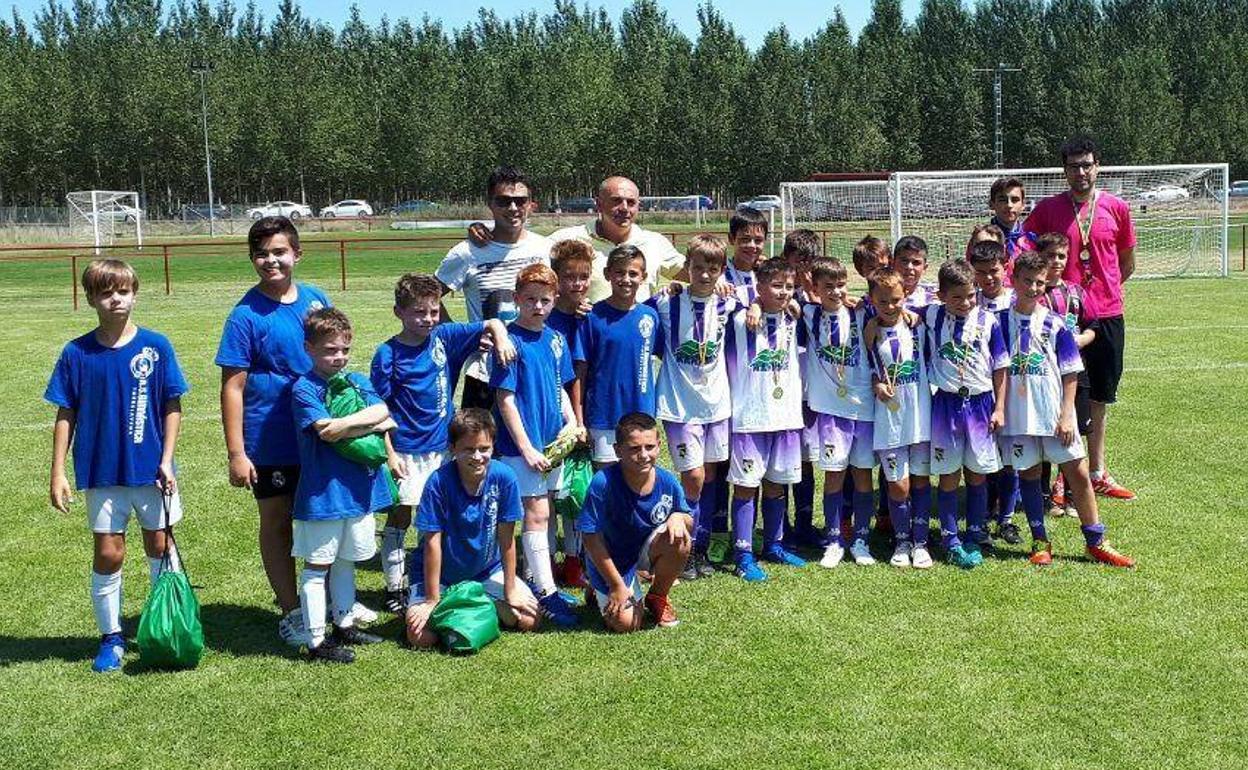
<point>485,268</point>
<point>1102,258</point>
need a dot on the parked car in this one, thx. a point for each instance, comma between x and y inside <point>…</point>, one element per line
<point>416,206</point>
<point>761,203</point>
<point>1165,192</point>
<point>194,212</point>
<point>280,209</point>
<point>581,205</point>
<point>348,208</point>
<point>692,203</point>
<point>119,212</point>
<point>1239,189</point>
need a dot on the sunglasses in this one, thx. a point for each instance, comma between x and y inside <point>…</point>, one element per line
<point>504,201</point>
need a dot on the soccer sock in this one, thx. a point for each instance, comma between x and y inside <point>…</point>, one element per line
<point>537,555</point>
<point>1007,494</point>
<point>1093,534</point>
<point>832,502</point>
<point>804,500</point>
<point>947,510</point>
<point>701,525</point>
<point>921,514</point>
<point>571,538</point>
<point>883,508</point>
<point>106,601</point>
<point>312,600</point>
<point>847,499</point>
<point>392,557</point>
<point>342,591</point>
<point>774,510</point>
<point>899,514</point>
<point>154,562</point>
<point>1033,506</point>
<point>743,524</point>
<point>976,512</point>
<point>864,504</point>
<point>721,492</point>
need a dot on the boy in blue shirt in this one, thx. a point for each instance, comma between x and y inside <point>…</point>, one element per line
<point>118,392</point>
<point>336,497</point>
<point>533,407</point>
<point>261,355</point>
<point>635,518</point>
<point>467,520</point>
<point>415,373</point>
<point>613,351</point>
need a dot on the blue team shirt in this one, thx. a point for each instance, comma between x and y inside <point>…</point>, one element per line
<point>618,346</point>
<point>625,519</point>
<point>330,485</point>
<point>418,384</point>
<point>564,323</point>
<point>468,523</point>
<point>118,396</point>
<point>265,337</point>
<point>542,367</point>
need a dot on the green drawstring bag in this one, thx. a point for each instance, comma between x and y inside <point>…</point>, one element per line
<point>342,399</point>
<point>170,632</point>
<point>465,619</point>
<point>578,471</point>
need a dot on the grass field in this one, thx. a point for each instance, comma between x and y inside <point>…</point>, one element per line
<point>1074,666</point>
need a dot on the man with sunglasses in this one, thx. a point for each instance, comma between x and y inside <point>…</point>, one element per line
<point>1102,258</point>
<point>485,270</point>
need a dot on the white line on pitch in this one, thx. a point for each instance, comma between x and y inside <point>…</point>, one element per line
<point>1193,328</point>
<point>1189,367</point>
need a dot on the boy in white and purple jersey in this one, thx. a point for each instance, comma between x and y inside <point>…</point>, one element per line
<point>1008,200</point>
<point>902,418</point>
<point>838,387</point>
<point>1040,411</point>
<point>910,262</point>
<point>693,400</point>
<point>747,232</point>
<point>766,418</point>
<point>968,362</point>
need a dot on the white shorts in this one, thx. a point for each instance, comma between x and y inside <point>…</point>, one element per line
<point>643,565</point>
<point>602,445</point>
<point>533,483</point>
<point>908,460</point>
<point>693,445</point>
<point>840,442</point>
<point>323,541</point>
<point>775,456</point>
<point>109,508</point>
<point>1023,452</point>
<point>493,588</point>
<point>419,468</point>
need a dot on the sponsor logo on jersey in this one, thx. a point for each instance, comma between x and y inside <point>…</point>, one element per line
<point>690,352</point>
<point>556,346</point>
<point>141,366</point>
<point>1027,363</point>
<point>958,355</point>
<point>769,360</point>
<point>438,352</point>
<point>903,373</point>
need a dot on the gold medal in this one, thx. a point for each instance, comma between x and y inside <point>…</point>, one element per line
<point>893,405</point>
<point>778,393</point>
<point>842,391</point>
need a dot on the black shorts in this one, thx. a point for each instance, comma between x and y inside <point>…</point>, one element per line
<point>275,480</point>
<point>476,393</point>
<point>1103,359</point>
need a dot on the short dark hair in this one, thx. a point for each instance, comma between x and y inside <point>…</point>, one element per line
<point>414,286</point>
<point>323,322</point>
<point>623,255</point>
<point>867,253</point>
<point>1049,241</point>
<point>1078,145</point>
<point>265,228</point>
<point>470,421</point>
<point>632,422</point>
<point>909,244</point>
<point>955,272</point>
<point>1005,184</point>
<point>802,245</point>
<point>506,174</point>
<point>827,267</point>
<point>104,274</point>
<point>746,216</point>
<point>987,253</point>
<point>767,268</point>
<point>1031,261</point>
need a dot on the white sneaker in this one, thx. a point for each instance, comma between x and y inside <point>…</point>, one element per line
<point>861,553</point>
<point>291,629</point>
<point>832,555</point>
<point>362,615</point>
<point>920,558</point>
<point>901,554</point>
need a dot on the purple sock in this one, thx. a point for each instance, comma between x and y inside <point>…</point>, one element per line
<point>718,500</point>
<point>743,524</point>
<point>864,506</point>
<point>976,512</point>
<point>992,485</point>
<point>899,513</point>
<point>804,500</point>
<point>1093,534</point>
<point>947,510</point>
<point>773,521</point>
<point>701,525</point>
<point>831,510</point>
<point>847,497</point>
<point>1007,493</point>
<point>1033,506</point>
<point>921,514</point>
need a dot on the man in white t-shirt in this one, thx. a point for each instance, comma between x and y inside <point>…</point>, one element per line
<point>485,270</point>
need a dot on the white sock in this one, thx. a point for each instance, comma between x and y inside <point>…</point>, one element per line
<point>571,538</point>
<point>342,591</point>
<point>537,555</point>
<point>312,600</point>
<point>106,601</point>
<point>392,556</point>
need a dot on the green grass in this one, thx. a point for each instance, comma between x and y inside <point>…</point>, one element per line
<point>1075,666</point>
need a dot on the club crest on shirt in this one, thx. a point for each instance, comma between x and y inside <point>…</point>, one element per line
<point>556,346</point>
<point>438,352</point>
<point>144,363</point>
<point>661,510</point>
<point>315,304</point>
<point>645,325</point>
<point>770,360</point>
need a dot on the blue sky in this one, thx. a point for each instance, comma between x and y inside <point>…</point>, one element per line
<point>752,19</point>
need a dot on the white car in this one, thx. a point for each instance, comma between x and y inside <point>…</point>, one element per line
<point>761,203</point>
<point>119,212</point>
<point>280,209</point>
<point>348,208</point>
<point>1165,192</point>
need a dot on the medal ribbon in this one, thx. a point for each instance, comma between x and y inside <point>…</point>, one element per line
<point>1085,234</point>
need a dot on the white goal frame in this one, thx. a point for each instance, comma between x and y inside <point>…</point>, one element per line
<point>110,206</point>
<point>653,203</point>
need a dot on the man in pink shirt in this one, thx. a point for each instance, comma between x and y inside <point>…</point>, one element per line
<point>1102,258</point>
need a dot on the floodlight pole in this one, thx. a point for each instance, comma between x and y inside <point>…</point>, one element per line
<point>202,69</point>
<point>998,73</point>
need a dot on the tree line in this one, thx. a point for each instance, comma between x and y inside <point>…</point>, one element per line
<point>104,96</point>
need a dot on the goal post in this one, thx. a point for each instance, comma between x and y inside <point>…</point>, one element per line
<point>104,212</point>
<point>668,203</point>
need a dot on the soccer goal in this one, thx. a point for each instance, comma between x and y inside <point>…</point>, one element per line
<point>691,203</point>
<point>1179,211</point>
<point>107,213</point>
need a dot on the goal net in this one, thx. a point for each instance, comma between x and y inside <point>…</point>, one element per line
<point>108,214</point>
<point>1179,211</point>
<point>687,203</point>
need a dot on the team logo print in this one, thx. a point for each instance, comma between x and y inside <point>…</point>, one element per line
<point>1072,323</point>
<point>144,363</point>
<point>690,352</point>
<point>829,451</point>
<point>903,373</point>
<point>438,352</point>
<point>279,479</point>
<point>316,304</point>
<point>769,360</point>
<point>645,325</point>
<point>682,450</point>
<point>891,462</point>
<point>842,355</point>
<point>661,510</point>
<point>1018,450</point>
<point>958,355</point>
<point>747,465</point>
<point>556,346</point>
<point>938,454</point>
<point>1027,363</point>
